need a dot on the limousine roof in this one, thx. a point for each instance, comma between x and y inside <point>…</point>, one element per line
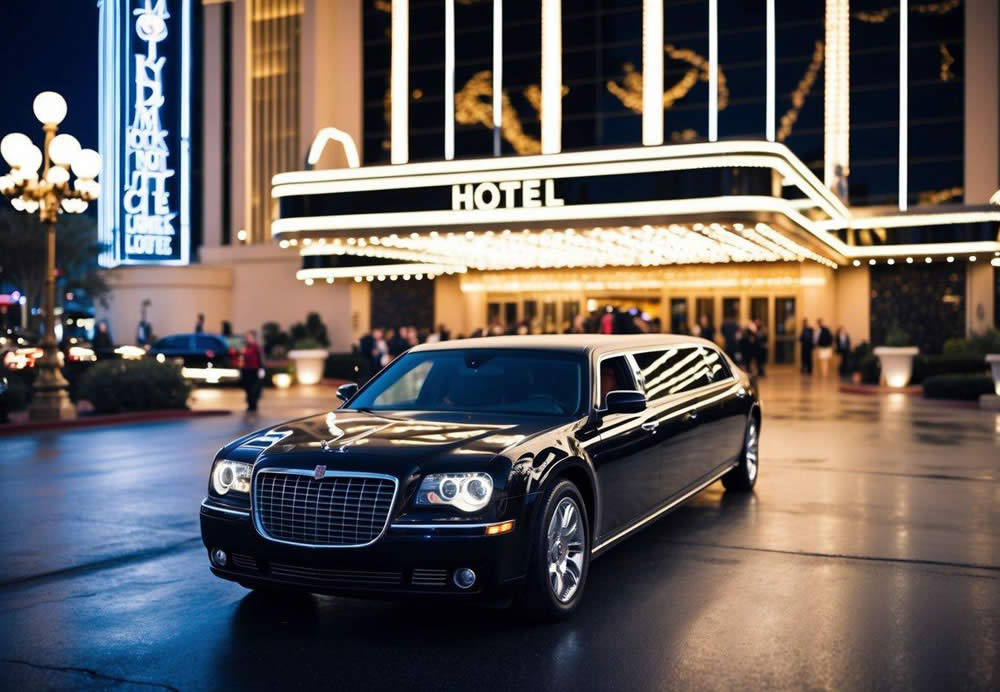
<point>582,343</point>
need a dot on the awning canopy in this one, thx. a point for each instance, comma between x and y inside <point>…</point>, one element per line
<point>734,201</point>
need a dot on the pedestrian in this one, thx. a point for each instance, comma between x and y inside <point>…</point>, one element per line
<point>143,332</point>
<point>807,339</point>
<point>396,341</point>
<point>843,350</point>
<point>707,330</point>
<point>824,344</point>
<point>760,347</point>
<point>102,342</point>
<point>252,370</point>
<point>199,326</point>
<point>731,336</point>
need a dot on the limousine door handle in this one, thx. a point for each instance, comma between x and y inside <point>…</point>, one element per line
<point>650,426</point>
<point>690,416</point>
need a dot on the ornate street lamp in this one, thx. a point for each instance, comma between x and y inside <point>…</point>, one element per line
<point>48,193</point>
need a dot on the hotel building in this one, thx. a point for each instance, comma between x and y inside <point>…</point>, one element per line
<point>468,162</point>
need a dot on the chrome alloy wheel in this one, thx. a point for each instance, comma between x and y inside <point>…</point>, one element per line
<point>566,540</point>
<point>753,443</point>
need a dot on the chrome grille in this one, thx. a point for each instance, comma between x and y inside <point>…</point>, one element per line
<point>339,510</point>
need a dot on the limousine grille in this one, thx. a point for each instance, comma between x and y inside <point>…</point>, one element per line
<point>335,511</point>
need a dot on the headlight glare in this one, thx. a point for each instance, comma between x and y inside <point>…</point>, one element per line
<point>231,475</point>
<point>468,492</point>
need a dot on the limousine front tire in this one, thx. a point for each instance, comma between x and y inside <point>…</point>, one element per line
<point>744,475</point>
<point>560,557</point>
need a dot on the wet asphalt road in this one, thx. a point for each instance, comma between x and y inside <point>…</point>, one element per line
<point>869,557</point>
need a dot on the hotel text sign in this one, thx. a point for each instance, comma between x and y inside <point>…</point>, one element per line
<point>506,195</point>
<point>149,220</point>
<point>146,124</point>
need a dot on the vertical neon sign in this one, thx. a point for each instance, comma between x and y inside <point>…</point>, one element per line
<point>145,131</point>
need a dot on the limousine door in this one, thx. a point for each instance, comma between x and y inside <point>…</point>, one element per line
<point>625,453</point>
<point>723,414</point>
<point>672,378</point>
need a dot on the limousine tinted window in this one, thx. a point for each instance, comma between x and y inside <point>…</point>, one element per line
<point>672,371</point>
<point>718,369</point>
<point>480,380</point>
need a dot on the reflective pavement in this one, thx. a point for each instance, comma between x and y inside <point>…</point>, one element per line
<point>868,557</point>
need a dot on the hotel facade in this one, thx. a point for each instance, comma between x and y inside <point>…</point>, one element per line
<point>477,162</point>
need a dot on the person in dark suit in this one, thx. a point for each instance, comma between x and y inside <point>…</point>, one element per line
<point>808,340</point>
<point>843,345</point>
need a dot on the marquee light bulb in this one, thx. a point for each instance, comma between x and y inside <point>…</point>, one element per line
<point>50,108</point>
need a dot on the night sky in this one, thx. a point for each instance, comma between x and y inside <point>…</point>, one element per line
<point>49,45</point>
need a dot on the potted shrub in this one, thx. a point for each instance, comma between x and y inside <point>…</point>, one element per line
<point>309,357</point>
<point>896,358</point>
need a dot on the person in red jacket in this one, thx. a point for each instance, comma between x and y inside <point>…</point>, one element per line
<point>252,370</point>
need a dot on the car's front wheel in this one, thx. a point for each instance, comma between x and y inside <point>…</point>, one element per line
<point>560,559</point>
<point>744,475</point>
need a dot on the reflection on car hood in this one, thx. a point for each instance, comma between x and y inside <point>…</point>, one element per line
<point>399,434</point>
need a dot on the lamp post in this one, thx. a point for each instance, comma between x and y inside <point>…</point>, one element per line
<point>48,192</point>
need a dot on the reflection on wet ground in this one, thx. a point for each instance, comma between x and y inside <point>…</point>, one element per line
<point>868,557</point>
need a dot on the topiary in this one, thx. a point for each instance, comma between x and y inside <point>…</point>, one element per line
<point>117,386</point>
<point>896,337</point>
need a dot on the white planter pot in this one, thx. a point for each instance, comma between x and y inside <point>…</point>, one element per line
<point>994,360</point>
<point>309,364</point>
<point>897,364</point>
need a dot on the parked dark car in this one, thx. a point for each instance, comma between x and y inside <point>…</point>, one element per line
<point>210,358</point>
<point>492,468</point>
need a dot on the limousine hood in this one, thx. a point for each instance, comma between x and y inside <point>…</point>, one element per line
<point>354,439</point>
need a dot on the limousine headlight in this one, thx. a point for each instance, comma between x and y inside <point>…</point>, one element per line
<point>466,491</point>
<point>231,475</point>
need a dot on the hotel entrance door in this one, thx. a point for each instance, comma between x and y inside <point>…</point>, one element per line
<point>784,330</point>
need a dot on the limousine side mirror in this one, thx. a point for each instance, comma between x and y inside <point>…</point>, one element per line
<point>625,401</point>
<point>346,391</point>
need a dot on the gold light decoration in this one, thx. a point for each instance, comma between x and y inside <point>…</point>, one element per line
<point>946,62</point>
<point>473,106</point>
<point>881,15</point>
<point>801,92</point>
<point>940,196</point>
<point>629,92</point>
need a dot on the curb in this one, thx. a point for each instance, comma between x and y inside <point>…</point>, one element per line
<point>110,419</point>
<point>912,390</point>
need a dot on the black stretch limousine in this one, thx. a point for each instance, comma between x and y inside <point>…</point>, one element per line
<point>494,468</point>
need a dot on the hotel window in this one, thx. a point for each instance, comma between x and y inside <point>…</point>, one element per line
<point>570,309</point>
<point>275,90</point>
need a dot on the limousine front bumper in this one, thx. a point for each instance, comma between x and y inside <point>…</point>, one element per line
<point>407,559</point>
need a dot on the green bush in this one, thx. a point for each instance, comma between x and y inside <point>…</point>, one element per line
<point>896,337</point>
<point>306,343</point>
<point>116,386</point>
<point>313,328</point>
<point>961,387</point>
<point>979,344</point>
<point>857,356</point>
<point>345,366</point>
<point>948,364</point>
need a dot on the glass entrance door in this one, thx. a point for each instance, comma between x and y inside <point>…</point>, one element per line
<point>784,330</point>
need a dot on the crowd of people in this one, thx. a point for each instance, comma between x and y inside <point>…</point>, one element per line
<point>747,344</point>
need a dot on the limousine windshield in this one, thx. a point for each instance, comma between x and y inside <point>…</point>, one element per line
<point>480,380</point>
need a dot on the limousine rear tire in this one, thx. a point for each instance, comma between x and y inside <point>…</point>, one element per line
<point>560,557</point>
<point>744,475</point>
